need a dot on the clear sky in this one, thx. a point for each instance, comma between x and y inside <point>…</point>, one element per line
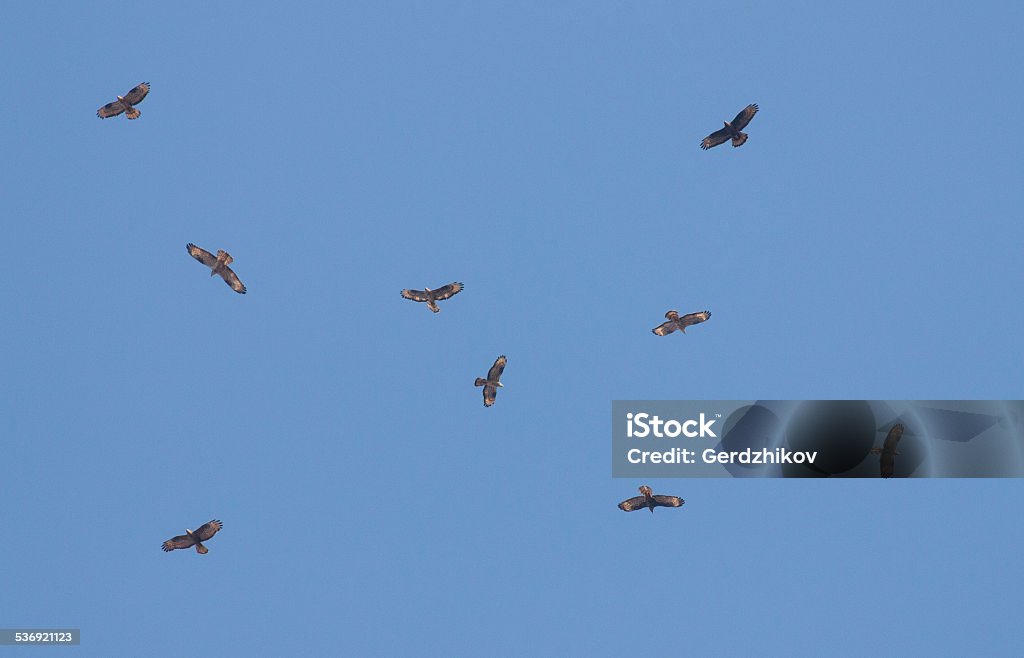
<point>864,243</point>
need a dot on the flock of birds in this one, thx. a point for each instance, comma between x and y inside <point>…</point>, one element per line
<point>219,265</point>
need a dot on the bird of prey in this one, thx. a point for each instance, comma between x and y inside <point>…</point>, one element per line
<point>492,382</point>
<point>125,103</point>
<point>888,452</point>
<point>650,501</point>
<point>680,323</point>
<point>731,130</point>
<point>431,297</point>
<point>190,538</point>
<point>218,265</point>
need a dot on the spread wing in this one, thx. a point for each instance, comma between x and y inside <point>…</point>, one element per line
<point>135,96</point>
<point>694,318</point>
<point>415,295</point>
<point>490,393</point>
<point>633,504</point>
<point>110,110</point>
<point>181,541</point>
<point>892,439</point>
<point>207,530</point>
<point>744,117</point>
<point>494,374</point>
<point>444,292</point>
<point>720,136</point>
<point>231,279</point>
<point>201,255</point>
<point>668,501</point>
<point>665,328</point>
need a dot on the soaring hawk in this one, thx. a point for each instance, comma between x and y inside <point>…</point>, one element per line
<point>218,265</point>
<point>732,130</point>
<point>492,382</point>
<point>125,103</point>
<point>650,501</point>
<point>190,538</point>
<point>680,323</point>
<point>431,297</point>
<point>888,452</point>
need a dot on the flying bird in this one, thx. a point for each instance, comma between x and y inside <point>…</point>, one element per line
<point>650,501</point>
<point>492,382</point>
<point>888,452</point>
<point>680,323</point>
<point>731,130</point>
<point>431,297</point>
<point>218,265</point>
<point>190,538</point>
<point>125,103</point>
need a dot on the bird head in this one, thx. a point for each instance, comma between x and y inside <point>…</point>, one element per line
<point>500,385</point>
<point>645,490</point>
<point>120,98</point>
<point>188,532</point>
<point>727,124</point>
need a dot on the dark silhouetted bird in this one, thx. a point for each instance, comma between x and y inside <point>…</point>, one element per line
<point>431,297</point>
<point>888,452</point>
<point>680,323</point>
<point>190,538</point>
<point>492,383</point>
<point>731,130</point>
<point>650,501</point>
<point>125,103</point>
<point>218,265</point>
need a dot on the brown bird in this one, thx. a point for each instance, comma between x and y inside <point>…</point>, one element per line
<point>888,452</point>
<point>649,501</point>
<point>125,103</point>
<point>731,130</point>
<point>190,538</point>
<point>218,265</point>
<point>432,296</point>
<point>680,323</point>
<point>492,383</point>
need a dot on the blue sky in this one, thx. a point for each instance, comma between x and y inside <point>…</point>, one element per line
<point>864,243</point>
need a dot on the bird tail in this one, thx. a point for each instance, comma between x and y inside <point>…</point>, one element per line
<point>434,307</point>
<point>202,550</point>
<point>132,113</point>
<point>480,381</point>
<point>740,139</point>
